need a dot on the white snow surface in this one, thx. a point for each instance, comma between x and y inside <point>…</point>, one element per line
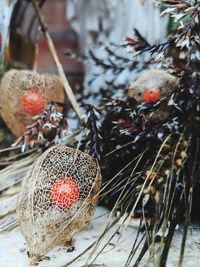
<point>13,249</point>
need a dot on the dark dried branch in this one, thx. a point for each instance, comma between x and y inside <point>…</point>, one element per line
<point>94,137</point>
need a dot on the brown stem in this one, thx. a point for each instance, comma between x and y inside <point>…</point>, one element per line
<point>54,54</point>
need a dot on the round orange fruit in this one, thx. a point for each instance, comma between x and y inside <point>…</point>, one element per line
<point>64,193</point>
<point>151,96</point>
<point>33,103</point>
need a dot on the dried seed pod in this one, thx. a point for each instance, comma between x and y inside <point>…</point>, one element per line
<point>58,196</point>
<point>152,84</point>
<point>25,93</point>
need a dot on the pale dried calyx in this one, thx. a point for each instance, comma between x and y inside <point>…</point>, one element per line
<point>155,80</point>
<point>25,93</point>
<point>48,214</point>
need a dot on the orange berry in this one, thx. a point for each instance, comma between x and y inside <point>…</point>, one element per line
<point>33,103</point>
<point>151,96</point>
<point>64,193</point>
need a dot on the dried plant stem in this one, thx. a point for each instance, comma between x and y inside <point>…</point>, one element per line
<point>35,63</point>
<point>54,54</point>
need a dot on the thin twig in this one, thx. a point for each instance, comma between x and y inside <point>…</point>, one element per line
<point>54,54</point>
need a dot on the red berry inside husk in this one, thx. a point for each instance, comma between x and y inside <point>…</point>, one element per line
<point>64,193</point>
<point>33,103</point>
<point>151,96</point>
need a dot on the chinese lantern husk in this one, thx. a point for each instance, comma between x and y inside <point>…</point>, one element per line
<point>14,85</point>
<point>43,224</point>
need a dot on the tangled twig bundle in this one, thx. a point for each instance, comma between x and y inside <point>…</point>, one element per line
<point>26,93</point>
<point>58,197</point>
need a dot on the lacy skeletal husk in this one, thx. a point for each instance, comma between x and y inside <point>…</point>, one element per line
<point>43,224</point>
<point>15,84</point>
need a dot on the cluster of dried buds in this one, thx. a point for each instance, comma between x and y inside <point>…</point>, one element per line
<point>49,126</point>
<point>185,37</point>
<point>186,14</point>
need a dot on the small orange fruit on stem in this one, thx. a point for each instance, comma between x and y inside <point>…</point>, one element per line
<point>33,103</point>
<point>151,96</point>
<point>64,193</point>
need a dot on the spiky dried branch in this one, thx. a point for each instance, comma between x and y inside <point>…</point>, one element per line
<point>49,126</point>
<point>94,138</point>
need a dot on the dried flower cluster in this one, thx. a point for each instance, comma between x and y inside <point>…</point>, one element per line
<point>49,126</point>
<point>183,43</point>
<point>187,34</point>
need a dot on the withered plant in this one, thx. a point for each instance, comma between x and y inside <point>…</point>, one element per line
<point>149,150</point>
<point>151,154</point>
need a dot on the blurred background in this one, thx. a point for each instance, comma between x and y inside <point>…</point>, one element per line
<point>74,25</point>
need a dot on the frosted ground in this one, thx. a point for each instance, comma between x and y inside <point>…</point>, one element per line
<point>13,252</point>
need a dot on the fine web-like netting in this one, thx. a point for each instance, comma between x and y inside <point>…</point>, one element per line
<point>47,216</point>
<point>17,87</point>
